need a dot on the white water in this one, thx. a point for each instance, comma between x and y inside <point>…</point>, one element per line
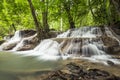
<point>84,32</point>
<point>21,43</point>
<point>90,48</point>
<point>65,34</point>
<point>16,38</point>
<point>46,50</point>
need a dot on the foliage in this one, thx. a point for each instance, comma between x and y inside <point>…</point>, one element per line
<point>84,13</point>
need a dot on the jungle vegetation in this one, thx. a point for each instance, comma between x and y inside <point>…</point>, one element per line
<point>44,15</point>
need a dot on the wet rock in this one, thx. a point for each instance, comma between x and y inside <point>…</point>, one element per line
<point>7,37</point>
<point>74,68</point>
<point>10,46</point>
<point>116,56</point>
<point>108,41</point>
<point>96,73</point>
<point>116,28</point>
<point>55,76</point>
<point>53,34</point>
<point>77,72</point>
<point>117,31</point>
<point>110,63</point>
<point>26,47</point>
<point>27,33</point>
<point>2,41</point>
<point>29,44</point>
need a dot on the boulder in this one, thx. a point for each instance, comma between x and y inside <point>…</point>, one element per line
<point>78,72</point>
<point>2,41</point>
<point>27,33</point>
<point>10,46</point>
<point>26,47</point>
<point>110,63</point>
<point>29,44</point>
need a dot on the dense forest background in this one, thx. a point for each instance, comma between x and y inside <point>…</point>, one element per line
<point>44,15</point>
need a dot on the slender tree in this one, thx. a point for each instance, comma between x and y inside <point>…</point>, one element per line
<point>45,15</point>
<point>38,25</point>
<point>67,6</point>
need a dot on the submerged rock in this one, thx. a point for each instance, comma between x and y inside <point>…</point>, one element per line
<point>110,63</point>
<point>77,72</point>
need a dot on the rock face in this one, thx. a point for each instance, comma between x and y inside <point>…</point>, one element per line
<point>29,44</point>
<point>111,44</point>
<point>2,41</point>
<point>116,27</point>
<point>27,33</point>
<point>10,46</point>
<point>28,38</point>
<point>75,72</point>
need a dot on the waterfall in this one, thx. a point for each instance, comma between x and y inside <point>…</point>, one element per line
<point>86,42</point>
<point>22,42</point>
<point>82,47</point>
<point>63,35</point>
<point>48,47</point>
<point>84,32</point>
<point>46,50</point>
<point>83,43</point>
<point>16,38</point>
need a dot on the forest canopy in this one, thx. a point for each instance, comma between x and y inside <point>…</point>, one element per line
<point>56,14</point>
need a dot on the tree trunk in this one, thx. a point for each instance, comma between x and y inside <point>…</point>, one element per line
<point>91,9</point>
<point>116,4</point>
<point>13,25</point>
<point>70,18</point>
<point>71,22</point>
<point>45,15</point>
<point>37,24</point>
<point>115,10</point>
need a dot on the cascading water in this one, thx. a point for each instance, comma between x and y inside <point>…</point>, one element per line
<point>85,42</point>
<point>16,38</point>
<point>46,50</point>
<point>21,43</point>
<point>84,32</point>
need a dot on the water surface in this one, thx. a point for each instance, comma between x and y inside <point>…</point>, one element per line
<point>13,64</point>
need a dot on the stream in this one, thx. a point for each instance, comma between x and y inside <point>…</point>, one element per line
<point>92,44</point>
<point>11,65</point>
